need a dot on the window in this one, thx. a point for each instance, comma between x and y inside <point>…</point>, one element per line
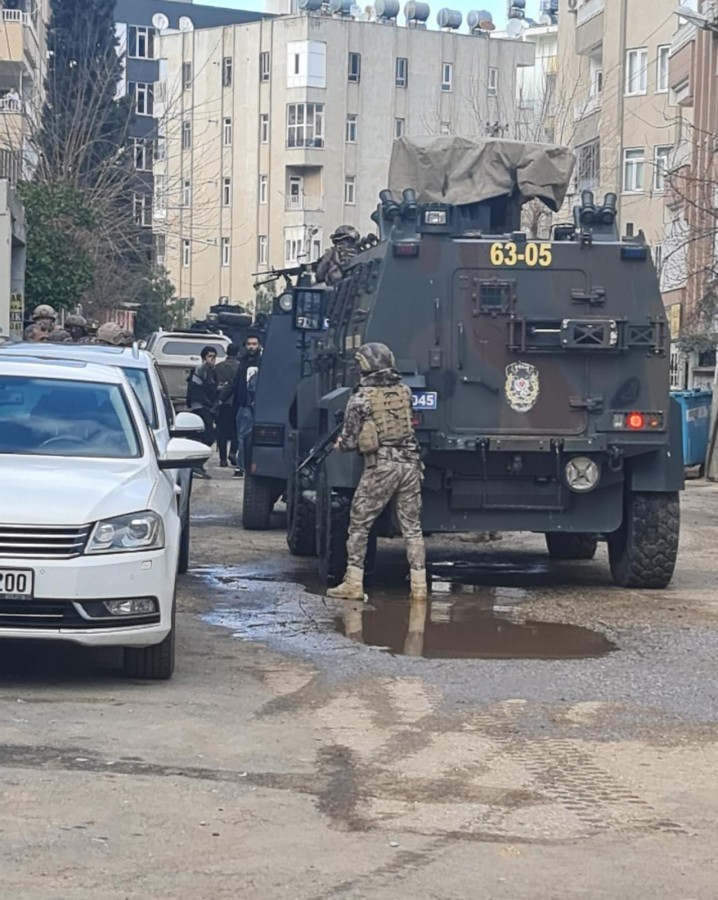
<point>141,42</point>
<point>305,125</point>
<point>143,153</point>
<point>227,131</point>
<point>264,128</point>
<point>186,75</point>
<point>293,243</point>
<point>227,192</point>
<point>263,188</point>
<point>144,95</point>
<point>160,210</point>
<point>306,64</point>
<point>401,73</point>
<point>161,148</point>
<point>227,69</point>
<point>661,165</point>
<point>160,250</point>
<point>354,68</point>
<point>588,166</point>
<point>262,249</point>
<point>595,86</point>
<point>225,251</point>
<point>447,74</point>
<point>350,190</point>
<point>316,251</point>
<point>636,71</point>
<point>186,134</point>
<point>633,162</point>
<point>662,69</point>
<point>264,66</point>
<point>187,192</point>
<point>186,254</point>
<point>493,83</point>
<point>142,210</point>
<point>399,128</point>
<point>351,130</point>
<point>445,128</point>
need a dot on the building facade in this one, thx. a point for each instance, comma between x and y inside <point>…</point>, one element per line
<point>614,106</point>
<point>139,27</point>
<point>693,201</point>
<point>284,129</point>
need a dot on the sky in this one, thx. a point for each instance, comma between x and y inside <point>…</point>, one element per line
<point>496,7</point>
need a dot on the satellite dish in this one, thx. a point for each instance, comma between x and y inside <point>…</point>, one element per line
<point>355,10</point>
<point>514,28</point>
<point>186,24</point>
<point>545,19</point>
<point>160,21</point>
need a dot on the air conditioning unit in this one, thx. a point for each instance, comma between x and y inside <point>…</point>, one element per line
<point>572,6</point>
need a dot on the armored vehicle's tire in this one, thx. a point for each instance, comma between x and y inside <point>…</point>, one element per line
<point>571,546</point>
<point>643,551</point>
<point>258,502</point>
<point>301,520</point>
<point>332,531</point>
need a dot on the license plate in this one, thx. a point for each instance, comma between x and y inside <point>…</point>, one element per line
<point>425,400</point>
<point>16,584</point>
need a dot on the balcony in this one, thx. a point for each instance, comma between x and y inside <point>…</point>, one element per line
<point>589,26</point>
<point>588,107</point>
<point>18,39</point>
<point>300,202</point>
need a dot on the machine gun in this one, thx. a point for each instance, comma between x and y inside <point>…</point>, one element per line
<point>302,271</point>
<point>323,447</point>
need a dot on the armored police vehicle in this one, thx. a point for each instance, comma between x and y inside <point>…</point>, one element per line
<point>539,367</point>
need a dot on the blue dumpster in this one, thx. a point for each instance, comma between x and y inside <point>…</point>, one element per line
<point>695,423</point>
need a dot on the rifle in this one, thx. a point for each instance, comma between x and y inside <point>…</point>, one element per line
<point>287,274</point>
<point>323,447</point>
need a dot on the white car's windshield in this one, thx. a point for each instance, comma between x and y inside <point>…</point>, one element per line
<point>59,417</point>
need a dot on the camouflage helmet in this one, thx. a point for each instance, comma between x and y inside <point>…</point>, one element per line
<point>112,333</point>
<point>59,336</point>
<point>44,311</point>
<point>374,357</point>
<point>75,320</point>
<point>345,233</point>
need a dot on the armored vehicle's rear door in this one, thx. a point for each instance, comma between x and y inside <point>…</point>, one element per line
<point>518,361</point>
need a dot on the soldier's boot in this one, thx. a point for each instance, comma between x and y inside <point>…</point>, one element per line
<point>419,589</point>
<point>352,588</point>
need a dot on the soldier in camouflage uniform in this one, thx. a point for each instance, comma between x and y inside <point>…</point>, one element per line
<point>333,263</point>
<point>378,423</point>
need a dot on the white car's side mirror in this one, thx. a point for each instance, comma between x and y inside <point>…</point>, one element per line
<point>183,454</point>
<point>186,423</point>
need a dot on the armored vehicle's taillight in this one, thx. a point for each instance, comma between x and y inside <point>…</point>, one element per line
<point>637,421</point>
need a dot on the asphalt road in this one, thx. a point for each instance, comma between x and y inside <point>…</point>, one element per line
<point>311,750</point>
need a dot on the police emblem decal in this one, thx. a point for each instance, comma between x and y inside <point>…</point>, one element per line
<point>522,386</point>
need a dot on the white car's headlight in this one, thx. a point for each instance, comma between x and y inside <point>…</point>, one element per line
<point>125,534</point>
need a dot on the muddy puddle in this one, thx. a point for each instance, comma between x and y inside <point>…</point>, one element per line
<point>463,619</point>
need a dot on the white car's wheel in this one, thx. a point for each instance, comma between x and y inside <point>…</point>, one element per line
<point>156,662</point>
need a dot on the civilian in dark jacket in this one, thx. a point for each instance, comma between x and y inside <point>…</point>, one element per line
<point>226,375</point>
<point>245,387</point>
<point>202,398</point>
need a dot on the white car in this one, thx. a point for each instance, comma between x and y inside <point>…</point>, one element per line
<point>89,528</point>
<point>145,377</point>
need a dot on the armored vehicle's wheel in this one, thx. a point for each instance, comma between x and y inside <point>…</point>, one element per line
<point>571,546</point>
<point>259,499</point>
<point>301,519</point>
<point>643,551</point>
<point>332,531</point>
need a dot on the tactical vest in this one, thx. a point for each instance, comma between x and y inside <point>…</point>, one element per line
<point>390,412</point>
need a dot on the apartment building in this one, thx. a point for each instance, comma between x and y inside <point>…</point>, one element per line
<point>23,63</point>
<point>281,130</point>
<point>692,205</point>
<point>614,105</point>
<point>139,25</point>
